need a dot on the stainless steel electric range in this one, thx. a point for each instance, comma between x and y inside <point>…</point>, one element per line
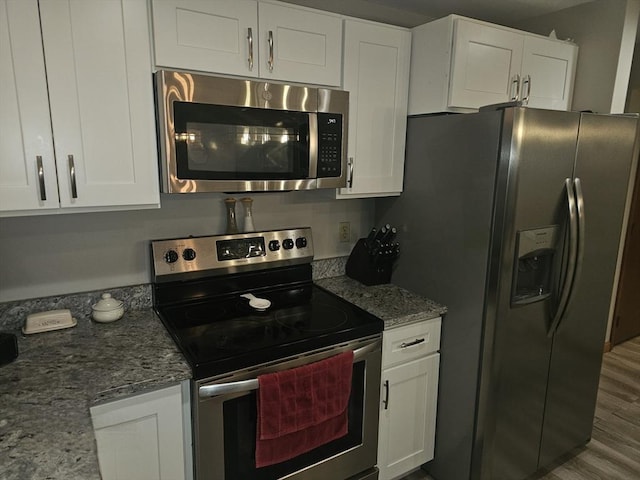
<point>242,305</point>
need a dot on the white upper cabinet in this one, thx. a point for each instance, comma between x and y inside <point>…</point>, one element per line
<point>27,163</point>
<point>460,64</point>
<point>548,69</point>
<point>248,38</point>
<point>98,74</point>
<point>376,73</point>
<point>220,36</point>
<point>483,61</point>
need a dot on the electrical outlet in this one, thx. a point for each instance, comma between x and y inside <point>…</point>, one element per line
<point>344,232</point>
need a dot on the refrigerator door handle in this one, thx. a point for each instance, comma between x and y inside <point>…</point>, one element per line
<point>577,185</point>
<point>572,258</point>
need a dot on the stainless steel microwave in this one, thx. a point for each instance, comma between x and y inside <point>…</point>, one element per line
<point>221,134</point>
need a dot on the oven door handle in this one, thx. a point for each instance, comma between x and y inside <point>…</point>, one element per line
<point>207,391</point>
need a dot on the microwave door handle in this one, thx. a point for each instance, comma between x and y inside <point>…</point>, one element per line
<point>252,384</point>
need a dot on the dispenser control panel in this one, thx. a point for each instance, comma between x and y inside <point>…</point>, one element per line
<point>535,254</point>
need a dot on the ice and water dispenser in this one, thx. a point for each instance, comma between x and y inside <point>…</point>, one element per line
<point>535,252</point>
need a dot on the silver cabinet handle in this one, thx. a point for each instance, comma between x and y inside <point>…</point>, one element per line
<point>270,51</point>
<point>525,96</point>
<point>571,260</point>
<point>72,176</point>
<point>252,384</point>
<point>515,85</point>
<point>250,40</point>
<point>385,402</point>
<point>417,341</point>
<point>43,190</point>
<point>350,179</point>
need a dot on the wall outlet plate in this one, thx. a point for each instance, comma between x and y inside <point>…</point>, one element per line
<point>344,232</point>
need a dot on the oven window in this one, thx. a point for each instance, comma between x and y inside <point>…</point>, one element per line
<point>217,142</point>
<point>240,418</point>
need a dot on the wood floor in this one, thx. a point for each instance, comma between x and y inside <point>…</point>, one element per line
<point>614,450</point>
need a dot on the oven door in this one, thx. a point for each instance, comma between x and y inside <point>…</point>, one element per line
<point>225,414</point>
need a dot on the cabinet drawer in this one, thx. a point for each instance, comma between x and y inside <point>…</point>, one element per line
<point>412,341</point>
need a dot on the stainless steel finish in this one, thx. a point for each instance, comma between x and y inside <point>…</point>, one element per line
<point>270,42</point>
<point>574,370</point>
<point>253,384</point>
<point>525,96</point>
<point>209,428</point>
<point>417,341</point>
<point>43,190</point>
<point>512,399</point>
<point>250,42</point>
<point>206,261</point>
<point>72,177</point>
<point>571,258</point>
<point>385,402</point>
<point>174,86</point>
<point>515,85</point>
<point>350,181</point>
<point>577,185</point>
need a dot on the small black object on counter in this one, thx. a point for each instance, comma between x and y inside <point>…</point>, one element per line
<point>8,347</point>
<point>372,258</point>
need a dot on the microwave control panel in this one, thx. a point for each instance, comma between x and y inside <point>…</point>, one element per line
<point>329,144</point>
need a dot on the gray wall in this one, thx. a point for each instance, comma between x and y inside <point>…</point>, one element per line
<point>57,254</point>
<point>605,31</point>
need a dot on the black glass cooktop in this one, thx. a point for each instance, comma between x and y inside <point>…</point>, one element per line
<point>224,334</point>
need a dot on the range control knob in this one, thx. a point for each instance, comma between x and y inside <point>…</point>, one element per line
<point>287,243</point>
<point>301,242</point>
<point>274,245</point>
<point>189,254</point>
<point>171,256</point>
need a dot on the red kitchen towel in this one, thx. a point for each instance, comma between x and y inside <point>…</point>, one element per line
<point>302,408</point>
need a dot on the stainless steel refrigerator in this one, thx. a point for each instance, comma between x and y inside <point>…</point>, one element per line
<point>512,218</point>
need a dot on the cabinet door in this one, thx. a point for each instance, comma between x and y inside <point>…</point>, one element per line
<point>407,416</point>
<point>141,437</point>
<point>548,70</point>
<point>220,36</point>
<point>299,45</point>
<point>27,165</point>
<point>485,61</point>
<point>98,61</point>
<point>376,75</point>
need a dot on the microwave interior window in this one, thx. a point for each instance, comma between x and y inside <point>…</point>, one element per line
<point>227,143</point>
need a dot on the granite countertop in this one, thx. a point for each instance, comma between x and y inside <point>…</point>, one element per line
<point>393,304</point>
<point>45,394</point>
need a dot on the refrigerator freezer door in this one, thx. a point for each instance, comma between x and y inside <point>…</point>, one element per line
<point>606,151</point>
<point>537,156</point>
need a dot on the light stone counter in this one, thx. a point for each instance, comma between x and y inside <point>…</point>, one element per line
<point>45,394</point>
<point>393,304</point>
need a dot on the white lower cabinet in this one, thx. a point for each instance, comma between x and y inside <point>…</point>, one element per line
<point>145,437</point>
<point>408,399</point>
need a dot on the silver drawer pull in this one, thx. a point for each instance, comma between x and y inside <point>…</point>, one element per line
<point>411,344</point>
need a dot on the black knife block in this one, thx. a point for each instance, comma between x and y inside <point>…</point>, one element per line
<point>367,269</point>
